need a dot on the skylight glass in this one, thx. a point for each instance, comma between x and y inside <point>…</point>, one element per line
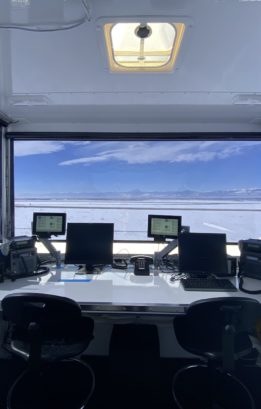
<point>139,46</point>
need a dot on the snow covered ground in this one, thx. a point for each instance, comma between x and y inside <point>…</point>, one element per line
<point>238,219</point>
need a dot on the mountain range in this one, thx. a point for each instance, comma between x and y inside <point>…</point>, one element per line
<point>235,194</point>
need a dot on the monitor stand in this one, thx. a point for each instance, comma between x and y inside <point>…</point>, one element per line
<point>90,269</point>
<point>52,250</point>
<point>159,255</point>
<point>93,268</point>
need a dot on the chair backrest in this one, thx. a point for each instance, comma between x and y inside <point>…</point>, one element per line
<point>45,327</point>
<point>217,329</point>
<point>23,308</point>
<point>201,330</point>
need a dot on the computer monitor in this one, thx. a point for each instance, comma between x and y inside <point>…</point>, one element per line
<point>47,224</point>
<point>162,227</point>
<point>203,252</point>
<point>90,244</point>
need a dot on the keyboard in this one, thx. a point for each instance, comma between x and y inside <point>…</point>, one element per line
<point>207,284</point>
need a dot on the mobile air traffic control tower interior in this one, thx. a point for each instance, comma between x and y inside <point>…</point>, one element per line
<point>130,137</point>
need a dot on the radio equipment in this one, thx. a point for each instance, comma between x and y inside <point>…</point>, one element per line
<point>250,258</point>
<point>19,257</point>
<point>250,246</point>
<point>21,242</point>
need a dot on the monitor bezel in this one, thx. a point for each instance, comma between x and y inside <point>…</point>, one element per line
<point>68,259</point>
<point>158,237</point>
<point>49,232</point>
<point>220,269</point>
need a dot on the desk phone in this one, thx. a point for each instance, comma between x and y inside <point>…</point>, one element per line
<point>141,264</point>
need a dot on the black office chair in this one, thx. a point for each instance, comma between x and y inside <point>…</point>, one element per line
<point>49,332</point>
<point>218,331</point>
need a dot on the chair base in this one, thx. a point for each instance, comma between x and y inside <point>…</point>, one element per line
<point>195,387</point>
<point>65,384</point>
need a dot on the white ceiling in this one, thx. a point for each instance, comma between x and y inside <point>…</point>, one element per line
<point>60,81</point>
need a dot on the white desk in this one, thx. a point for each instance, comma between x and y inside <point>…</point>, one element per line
<point>117,296</point>
<point>119,292</point>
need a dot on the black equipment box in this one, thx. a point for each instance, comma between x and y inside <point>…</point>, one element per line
<point>18,258</point>
<point>250,258</point>
<point>23,261</point>
<point>250,246</point>
<point>22,242</point>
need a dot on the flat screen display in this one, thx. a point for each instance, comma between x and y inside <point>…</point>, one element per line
<point>90,244</point>
<point>203,252</point>
<point>47,224</point>
<point>162,227</point>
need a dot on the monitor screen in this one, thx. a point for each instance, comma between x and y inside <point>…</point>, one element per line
<point>90,244</point>
<point>47,224</point>
<point>162,227</point>
<point>203,252</point>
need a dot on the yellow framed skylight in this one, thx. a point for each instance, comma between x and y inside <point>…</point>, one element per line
<point>134,46</point>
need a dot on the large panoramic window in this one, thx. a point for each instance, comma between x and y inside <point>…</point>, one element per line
<point>214,185</point>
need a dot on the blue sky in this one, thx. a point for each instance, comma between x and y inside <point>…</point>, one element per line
<point>71,167</point>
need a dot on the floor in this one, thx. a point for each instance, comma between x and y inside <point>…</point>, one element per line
<point>126,384</point>
<point>132,385</point>
<point>132,376</point>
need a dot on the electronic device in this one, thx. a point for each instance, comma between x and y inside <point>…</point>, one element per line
<point>46,225</point>
<point>232,265</point>
<point>120,263</point>
<point>141,264</point>
<point>162,227</point>
<point>207,284</point>
<point>21,242</point>
<point>19,257</point>
<point>250,246</point>
<point>203,252</point>
<point>250,258</point>
<point>2,270</point>
<point>90,244</point>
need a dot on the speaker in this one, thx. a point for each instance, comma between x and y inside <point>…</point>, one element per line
<point>232,265</point>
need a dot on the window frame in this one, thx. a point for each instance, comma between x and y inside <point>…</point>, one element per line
<point>79,136</point>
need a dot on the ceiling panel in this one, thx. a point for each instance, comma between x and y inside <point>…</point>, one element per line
<point>62,75</point>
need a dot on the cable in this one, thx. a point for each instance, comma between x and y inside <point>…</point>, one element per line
<point>87,9</point>
<point>241,283</point>
<point>87,17</point>
<point>120,264</point>
<point>43,30</point>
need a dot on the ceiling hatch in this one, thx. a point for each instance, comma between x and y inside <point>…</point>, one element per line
<point>143,46</point>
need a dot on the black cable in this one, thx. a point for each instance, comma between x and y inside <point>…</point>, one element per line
<point>120,264</point>
<point>241,288</point>
<point>41,271</point>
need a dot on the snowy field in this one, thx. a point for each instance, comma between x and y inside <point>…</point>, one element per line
<point>238,219</point>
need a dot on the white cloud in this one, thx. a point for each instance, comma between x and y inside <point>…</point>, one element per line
<point>84,160</point>
<point>153,152</point>
<point>25,148</point>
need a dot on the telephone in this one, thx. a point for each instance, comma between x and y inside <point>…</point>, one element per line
<point>141,264</point>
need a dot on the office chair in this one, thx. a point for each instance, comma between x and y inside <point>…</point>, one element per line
<point>49,332</point>
<point>216,330</point>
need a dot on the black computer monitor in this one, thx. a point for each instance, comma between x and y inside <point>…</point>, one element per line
<point>90,244</point>
<point>162,227</point>
<point>203,252</point>
<point>46,225</point>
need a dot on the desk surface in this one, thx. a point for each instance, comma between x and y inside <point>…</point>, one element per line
<point>119,292</point>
